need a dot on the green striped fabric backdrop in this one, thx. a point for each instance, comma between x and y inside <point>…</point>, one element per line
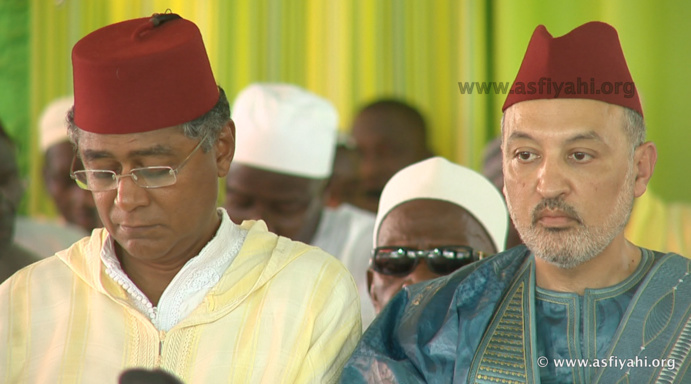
<point>352,51</point>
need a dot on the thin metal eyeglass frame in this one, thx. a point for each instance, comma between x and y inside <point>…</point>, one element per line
<point>117,177</point>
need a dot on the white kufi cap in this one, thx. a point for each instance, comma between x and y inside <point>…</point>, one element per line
<point>53,122</point>
<point>285,129</point>
<point>440,179</point>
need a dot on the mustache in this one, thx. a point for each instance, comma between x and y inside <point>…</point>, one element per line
<point>555,204</point>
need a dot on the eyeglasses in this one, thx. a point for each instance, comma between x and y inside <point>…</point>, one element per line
<point>99,180</point>
<point>401,261</point>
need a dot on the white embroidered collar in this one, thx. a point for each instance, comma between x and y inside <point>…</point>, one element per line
<point>188,288</point>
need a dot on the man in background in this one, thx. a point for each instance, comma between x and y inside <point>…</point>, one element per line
<point>13,256</point>
<point>345,179</point>
<point>389,135</point>
<point>78,215</point>
<point>434,218</point>
<point>75,205</point>
<point>286,139</point>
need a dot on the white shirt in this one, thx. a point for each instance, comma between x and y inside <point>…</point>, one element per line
<point>188,288</point>
<point>346,232</point>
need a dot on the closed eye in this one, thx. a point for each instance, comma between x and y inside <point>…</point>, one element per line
<point>153,172</point>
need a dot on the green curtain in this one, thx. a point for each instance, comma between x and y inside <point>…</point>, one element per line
<point>353,51</point>
<point>14,76</point>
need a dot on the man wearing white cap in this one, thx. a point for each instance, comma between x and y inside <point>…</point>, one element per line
<point>286,142</point>
<point>170,282</point>
<point>78,214</point>
<point>75,205</point>
<point>434,217</point>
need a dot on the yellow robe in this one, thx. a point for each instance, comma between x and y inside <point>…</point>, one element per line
<point>660,226</point>
<point>283,312</point>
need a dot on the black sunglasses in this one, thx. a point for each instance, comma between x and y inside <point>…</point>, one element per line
<point>401,261</point>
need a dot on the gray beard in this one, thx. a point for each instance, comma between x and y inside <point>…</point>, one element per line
<point>570,247</point>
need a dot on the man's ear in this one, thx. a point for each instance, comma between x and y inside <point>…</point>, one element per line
<point>224,148</point>
<point>644,159</point>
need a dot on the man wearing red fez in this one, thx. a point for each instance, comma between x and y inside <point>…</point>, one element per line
<point>578,303</point>
<point>170,283</point>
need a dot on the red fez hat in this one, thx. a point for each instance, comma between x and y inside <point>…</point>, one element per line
<point>141,75</point>
<point>586,63</point>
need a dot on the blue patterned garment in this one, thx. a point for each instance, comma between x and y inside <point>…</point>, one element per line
<point>571,326</point>
<point>489,323</point>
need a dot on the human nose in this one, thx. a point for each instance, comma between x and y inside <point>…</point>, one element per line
<point>420,273</point>
<point>129,194</point>
<point>552,179</point>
